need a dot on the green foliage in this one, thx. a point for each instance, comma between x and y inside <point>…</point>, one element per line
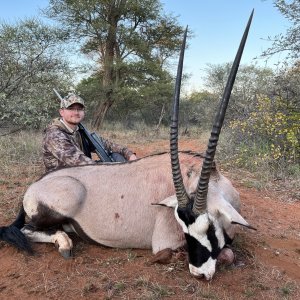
<point>147,90</point>
<point>31,65</point>
<point>262,125</point>
<point>288,42</point>
<point>270,134</point>
<point>250,80</point>
<point>198,109</point>
<point>131,42</point>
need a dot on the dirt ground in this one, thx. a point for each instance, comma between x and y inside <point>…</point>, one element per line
<point>267,263</point>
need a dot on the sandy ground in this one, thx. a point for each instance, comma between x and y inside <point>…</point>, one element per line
<point>267,264</point>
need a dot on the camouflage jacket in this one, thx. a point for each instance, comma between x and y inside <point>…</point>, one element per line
<point>62,148</point>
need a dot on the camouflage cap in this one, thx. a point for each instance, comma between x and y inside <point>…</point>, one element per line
<point>71,99</point>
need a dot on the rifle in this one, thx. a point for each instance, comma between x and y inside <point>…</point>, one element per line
<point>93,139</point>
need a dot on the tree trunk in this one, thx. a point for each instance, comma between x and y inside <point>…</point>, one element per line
<point>114,9</point>
<point>160,117</point>
<point>100,113</point>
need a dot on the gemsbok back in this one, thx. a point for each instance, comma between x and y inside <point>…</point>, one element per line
<point>155,204</point>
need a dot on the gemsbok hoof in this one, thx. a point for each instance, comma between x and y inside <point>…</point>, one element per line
<point>66,253</point>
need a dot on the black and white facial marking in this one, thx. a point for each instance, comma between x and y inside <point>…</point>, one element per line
<point>205,240</point>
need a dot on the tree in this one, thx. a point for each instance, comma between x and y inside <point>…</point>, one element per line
<point>290,41</point>
<point>199,109</point>
<point>135,100</point>
<point>31,65</point>
<point>250,81</point>
<point>268,132</point>
<point>129,40</point>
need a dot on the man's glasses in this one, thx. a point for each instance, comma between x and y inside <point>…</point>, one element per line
<point>76,109</point>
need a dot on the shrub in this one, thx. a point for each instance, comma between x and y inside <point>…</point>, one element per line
<point>268,139</point>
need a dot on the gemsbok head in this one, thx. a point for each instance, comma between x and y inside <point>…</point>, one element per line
<point>205,230</point>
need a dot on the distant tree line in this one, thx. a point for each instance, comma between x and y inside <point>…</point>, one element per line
<point>132,48</point>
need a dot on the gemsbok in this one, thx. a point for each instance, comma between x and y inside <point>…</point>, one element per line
<point>149,203</point>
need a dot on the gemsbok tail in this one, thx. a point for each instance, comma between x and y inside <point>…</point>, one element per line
<point>13,235</point>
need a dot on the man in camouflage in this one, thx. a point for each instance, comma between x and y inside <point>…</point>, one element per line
<point>62,143</point>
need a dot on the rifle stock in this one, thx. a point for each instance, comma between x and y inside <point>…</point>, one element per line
<point>93,139</point>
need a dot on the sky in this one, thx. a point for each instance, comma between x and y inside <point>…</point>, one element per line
<point>217,27</point>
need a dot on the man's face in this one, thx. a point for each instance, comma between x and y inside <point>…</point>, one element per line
<point>72,115</point>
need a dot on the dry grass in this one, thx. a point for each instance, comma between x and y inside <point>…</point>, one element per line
<point>20,165</point>
<point>101,273</point>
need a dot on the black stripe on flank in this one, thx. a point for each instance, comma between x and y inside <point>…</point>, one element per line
<point>80,232</point>
<point>48,219</point>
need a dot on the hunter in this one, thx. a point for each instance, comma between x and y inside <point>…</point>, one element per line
<point>63,144</point>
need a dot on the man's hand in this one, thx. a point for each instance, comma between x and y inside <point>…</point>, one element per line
<point>132,157</point>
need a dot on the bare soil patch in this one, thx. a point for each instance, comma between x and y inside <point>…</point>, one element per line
<point>267,264</point>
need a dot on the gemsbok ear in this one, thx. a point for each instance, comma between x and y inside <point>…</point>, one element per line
<point>248,225</point>
<point>232,216</point>
<point>168,202</point>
